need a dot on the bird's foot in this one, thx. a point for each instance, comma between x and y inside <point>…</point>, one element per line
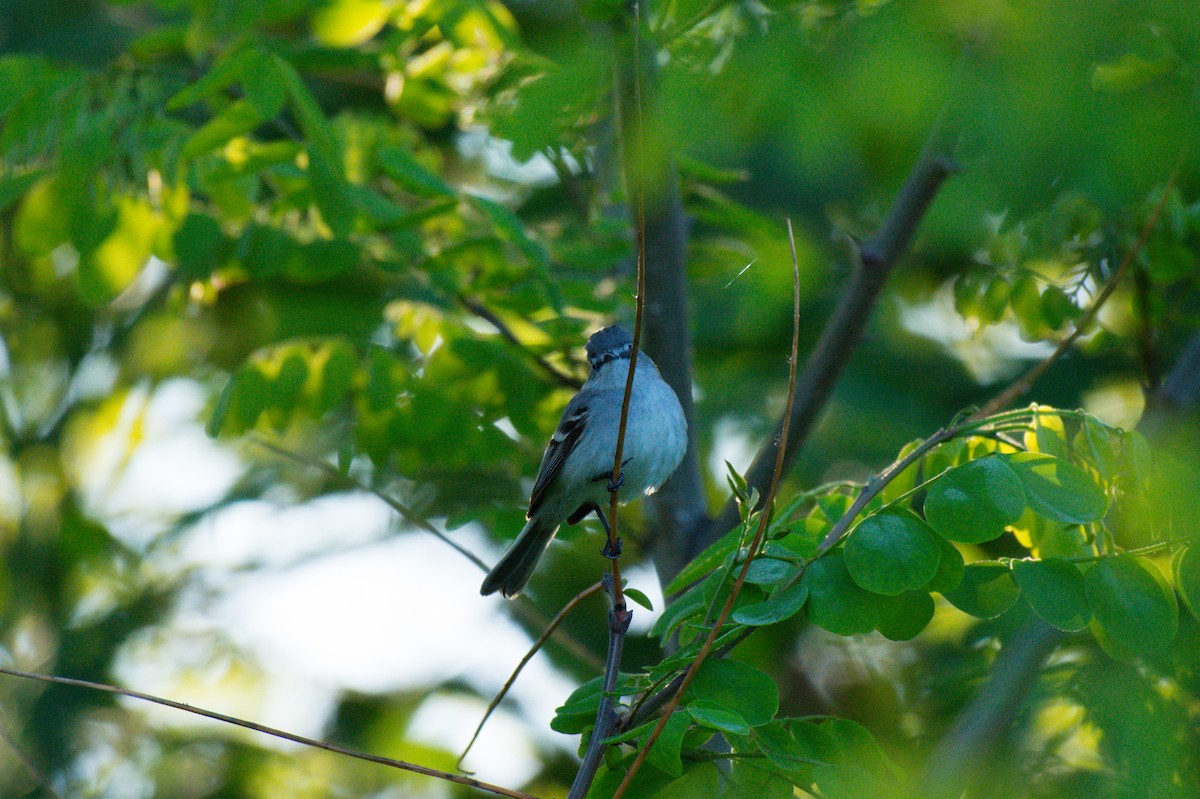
<point>610,550</point>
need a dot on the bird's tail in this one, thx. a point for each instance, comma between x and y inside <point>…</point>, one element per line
<point>510,575</point>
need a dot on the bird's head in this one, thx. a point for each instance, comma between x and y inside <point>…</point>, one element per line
<point>608,344</point>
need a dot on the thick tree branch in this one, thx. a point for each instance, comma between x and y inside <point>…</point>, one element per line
<point>874,262</point>
<point>678,508</point>
<point>989,714</point>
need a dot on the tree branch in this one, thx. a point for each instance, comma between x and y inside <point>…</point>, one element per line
<point>990,712</point>
<point>287,736</point>
<point>874,262</point>
<point>678,508</point>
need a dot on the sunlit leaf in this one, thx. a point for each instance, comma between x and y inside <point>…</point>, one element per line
<point>1133,603</point>
<point>973,503</point>
<point>1057,489</point>
<point>889,553</point>
<point>1187,577</point>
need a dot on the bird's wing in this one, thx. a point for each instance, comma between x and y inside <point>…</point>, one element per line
<point>569,431</point>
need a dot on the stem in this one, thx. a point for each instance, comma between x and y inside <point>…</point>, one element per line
<point>287,736</point>
<point>759,535</point>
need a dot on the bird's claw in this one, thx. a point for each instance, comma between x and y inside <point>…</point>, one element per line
<point>614,487</point>
<point>610,550</point>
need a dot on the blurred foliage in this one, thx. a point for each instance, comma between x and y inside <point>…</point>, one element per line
<point>330,221</point>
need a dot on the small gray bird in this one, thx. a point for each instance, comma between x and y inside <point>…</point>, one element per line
<point>576,470</point>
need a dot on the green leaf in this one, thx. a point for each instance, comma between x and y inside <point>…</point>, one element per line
<point>986,591</point>
<point>1128,72</point>
<point>676,612</point>
<point>783,604</point>
<point>579,711</point>
<point>769,571</point>
<point>890,553</point>
<point>1054,589</point>
<point>1187,577</point>
<point>236,119</point>
<point>639,597</point>
<point>974,502</point>
<point>950,568</point>
<point>705,562</point>
<point>853,764</point>
<point>903,617</point>
<point>666,752</point>
<point>406,170</point>
<point>1098,442</point>
<point>1133,603</point>
<point>1058,490</point>
<point>201,247</point>
<point>737,686</point>
<point>717,717</point>
<point>776,741</point>
<point>701,779</point>
<point>13,187</point>
<point>835,602</point>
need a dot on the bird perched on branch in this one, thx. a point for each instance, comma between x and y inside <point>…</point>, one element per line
<point>576,472</point>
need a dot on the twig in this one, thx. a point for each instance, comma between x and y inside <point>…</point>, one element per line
<point>488,315</point>
<point>250,725</point>
<point>759,535</point>
<point>874,262</point>
<point>620,615</point>
<point>606,718</point>
<point>533,650</point>
<point>1026,381</point>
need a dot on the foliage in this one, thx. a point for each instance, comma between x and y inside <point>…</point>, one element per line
<point>378,232</point>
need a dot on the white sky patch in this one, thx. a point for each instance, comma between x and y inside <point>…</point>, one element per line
<point>398,615</point>
<point>138,482</point>
<point>991,354</point>
<point>732,442</point>
<point>448,721</point>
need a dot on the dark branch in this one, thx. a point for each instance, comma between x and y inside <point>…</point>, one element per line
<point>989,714</point>
<point>874,262</point>
<point>677,509</point>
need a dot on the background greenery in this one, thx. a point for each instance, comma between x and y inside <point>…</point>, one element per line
<point>345,206</point>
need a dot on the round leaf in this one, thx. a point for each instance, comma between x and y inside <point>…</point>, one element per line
<point>1054,589</point>
<point>890,553</point>
<point>903,617</point>
<point>974,502</point>
<point>1133,603</point>
<point>835,602</point>
<point>718,717</point>
<point>737,686</point>
<point>1058,490</point>
<point>950,568</point>
<point>987,590</point>
<point>782,605</point>
<point>1187,578</point>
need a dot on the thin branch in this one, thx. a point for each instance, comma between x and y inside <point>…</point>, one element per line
<point>606,717</point>
<point>287,736</point>
<point>1026,381</point>
<point>873,263</point>
<point>533,650</point>
<point>755,545</point>
<point>488,315</point>
<point>620,615</point>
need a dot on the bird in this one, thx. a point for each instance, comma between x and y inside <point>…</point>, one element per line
<point>575,475</point>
